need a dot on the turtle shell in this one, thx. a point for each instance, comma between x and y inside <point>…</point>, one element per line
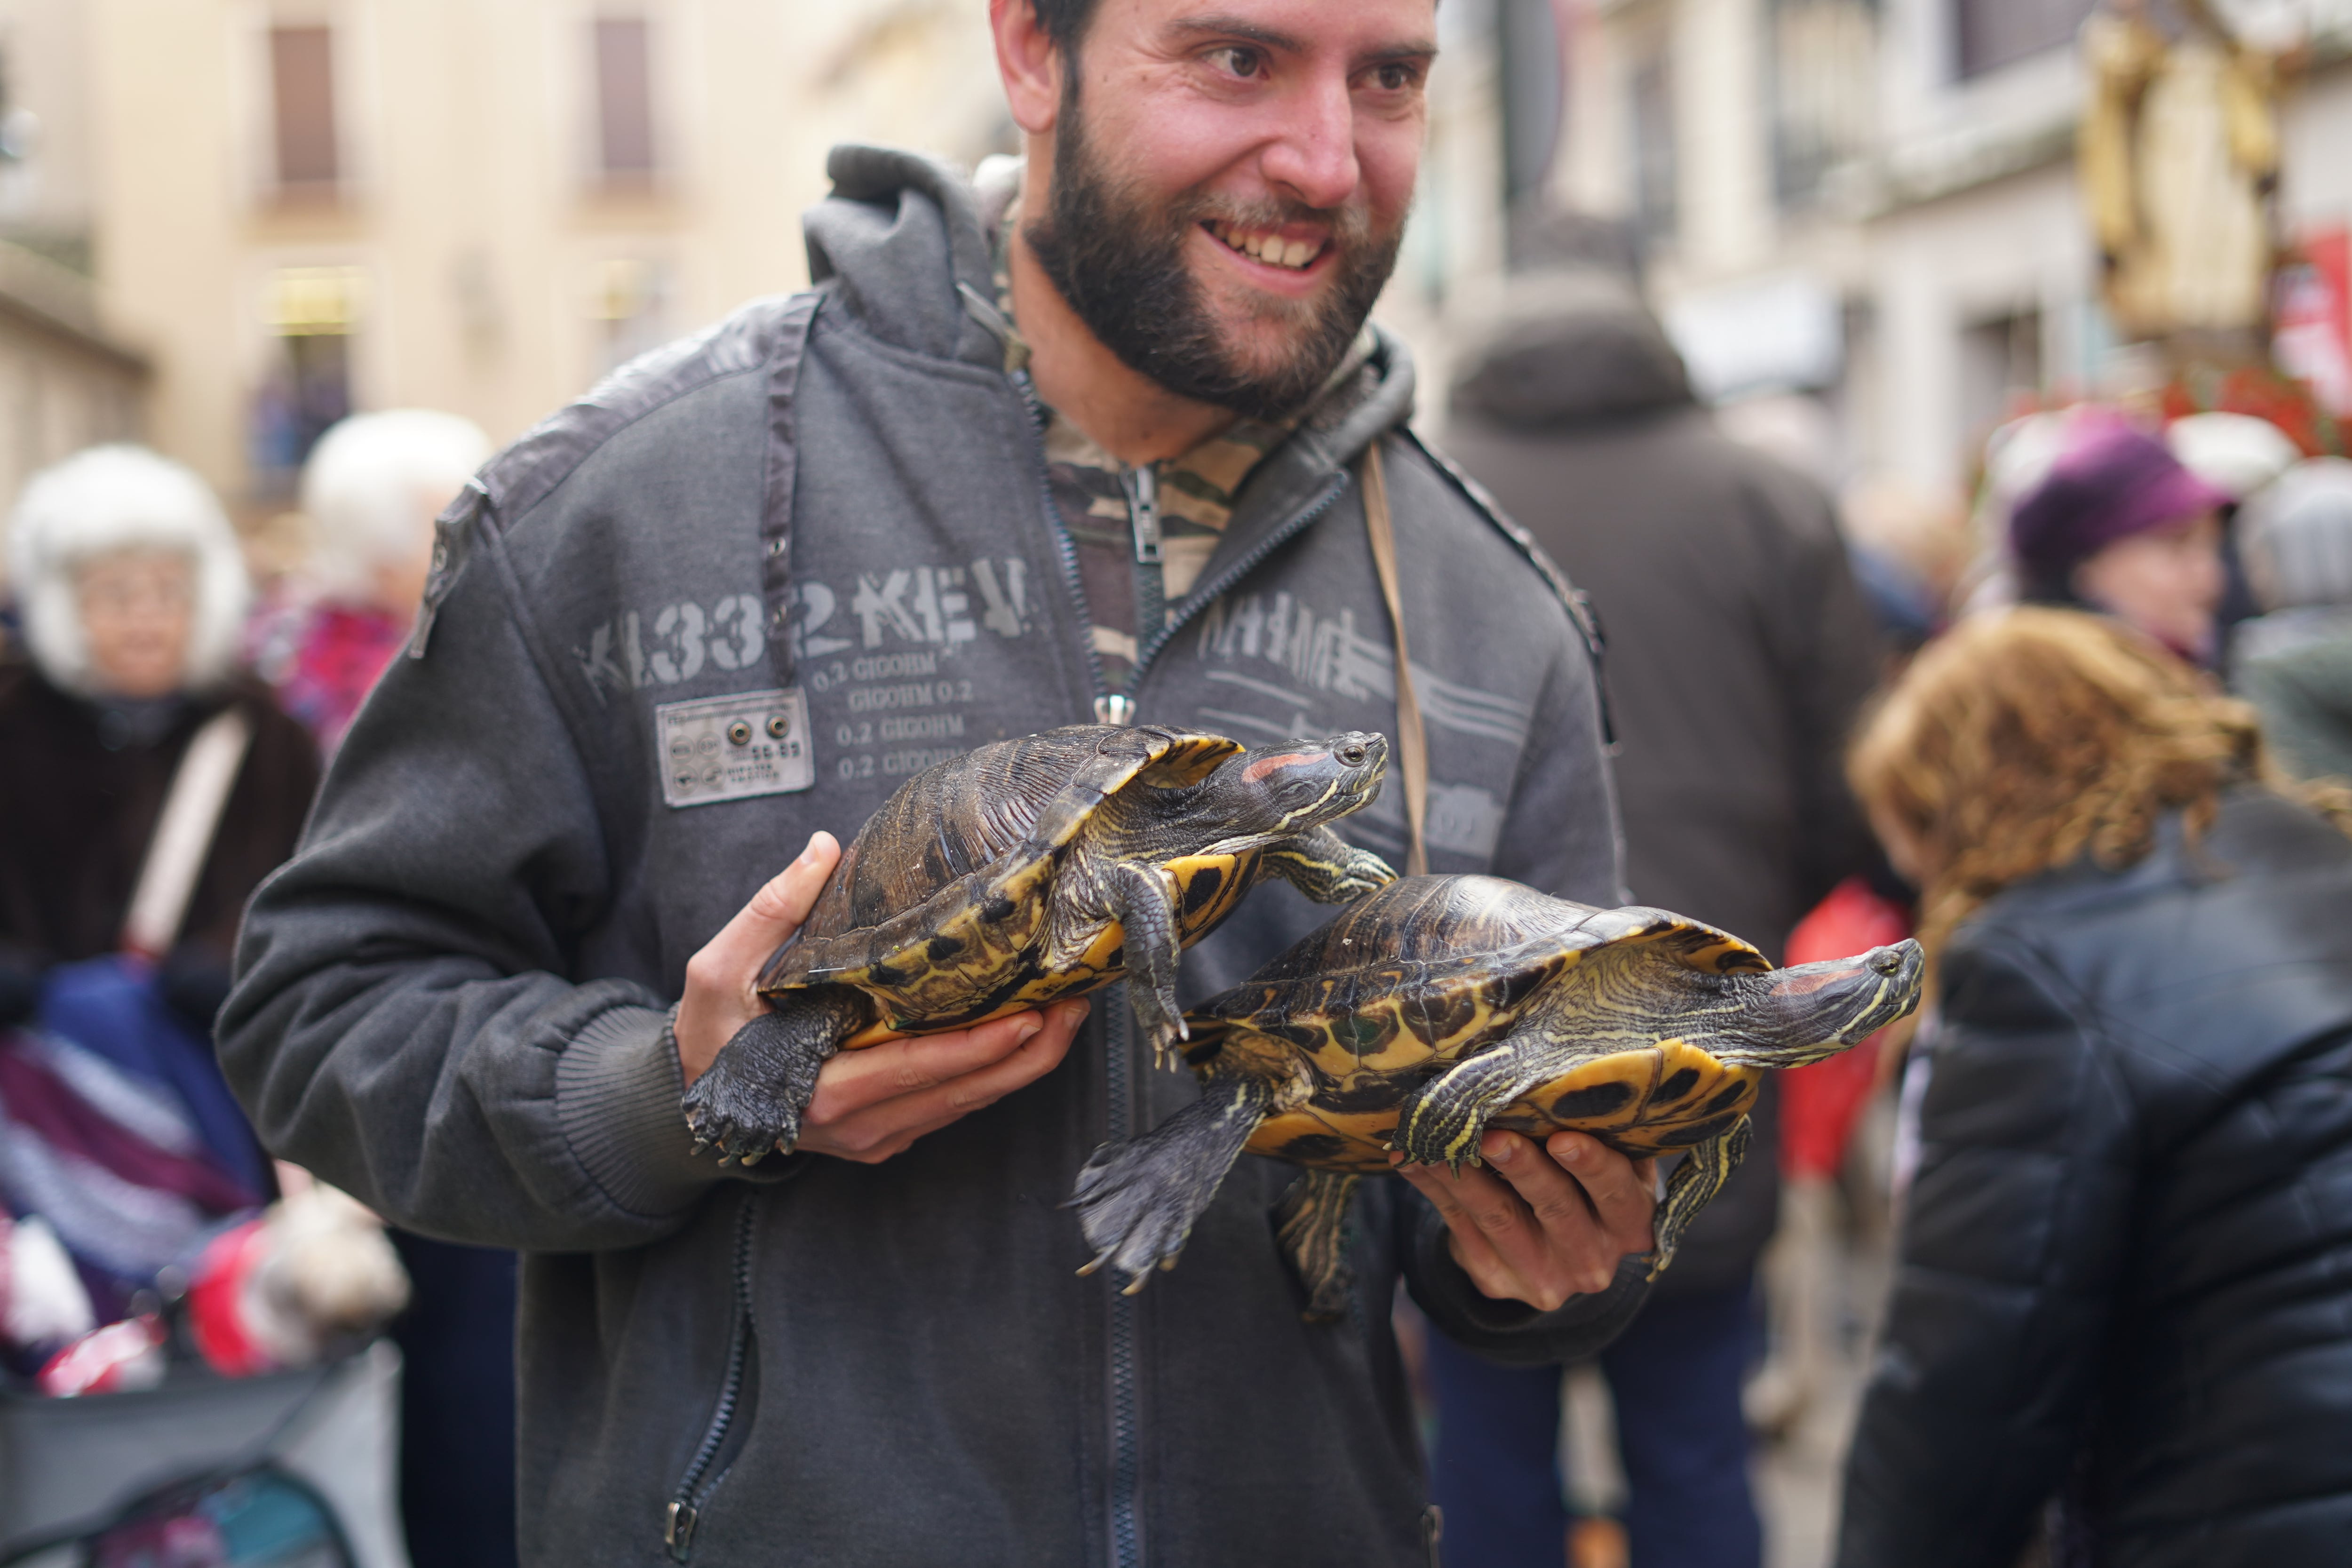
<point>939,906</point>
<point>1432,970</point>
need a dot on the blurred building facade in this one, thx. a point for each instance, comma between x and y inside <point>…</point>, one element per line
<point>304,207</point>
<point>1860,215</point>
<point>65,382</point>
<point>1869,206</point>
<point>296,208</point>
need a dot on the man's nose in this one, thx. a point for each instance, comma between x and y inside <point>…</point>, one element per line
<point>1314,159</point>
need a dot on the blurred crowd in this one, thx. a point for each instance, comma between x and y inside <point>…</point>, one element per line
<point>161,734</point>
<point>2079,737</point>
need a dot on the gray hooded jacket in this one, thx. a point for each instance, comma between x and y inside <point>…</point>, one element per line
<point>452,1002</point>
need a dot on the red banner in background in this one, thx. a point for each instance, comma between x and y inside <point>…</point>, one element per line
<point>1820,1103</point>
<point>2312,338</point>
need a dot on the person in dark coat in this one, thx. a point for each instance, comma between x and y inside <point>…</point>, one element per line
<point>2124,1273</point>
<point>132,594</point>
<point>1738,652</point>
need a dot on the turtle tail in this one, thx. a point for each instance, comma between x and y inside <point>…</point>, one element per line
<point>1137,1201</point>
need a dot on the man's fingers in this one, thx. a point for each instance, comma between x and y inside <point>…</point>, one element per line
<point>1557,1200</point>
<point>1623,1195</point>
<point>1466,1204</point>
<point>775,911</point>
<point>1028,1044</point>
<point>884,1127</point>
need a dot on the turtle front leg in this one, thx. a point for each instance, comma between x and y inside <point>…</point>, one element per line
<point>1327,867</point>
<point>1440,1123</point>
<point>1137,1201</point>
<point>1699,1177</point>
<point>749,1100</point>
<point>1311,1225</point>
<point>1143,899</point>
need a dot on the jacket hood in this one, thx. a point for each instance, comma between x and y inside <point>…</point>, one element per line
<point>114,498</point>
<point>904,243</point>
<point>1563,348</point>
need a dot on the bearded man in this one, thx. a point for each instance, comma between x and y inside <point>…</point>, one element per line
<point>1082,448</point>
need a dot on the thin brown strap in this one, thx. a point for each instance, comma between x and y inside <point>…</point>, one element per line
<point>1413,746</point>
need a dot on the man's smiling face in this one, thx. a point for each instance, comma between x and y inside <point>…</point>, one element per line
<point>1230,181</point>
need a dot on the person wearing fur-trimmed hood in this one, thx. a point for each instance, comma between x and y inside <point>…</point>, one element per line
<point>132,594</point>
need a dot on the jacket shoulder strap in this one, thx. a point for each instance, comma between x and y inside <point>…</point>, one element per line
<point>1413,742</point>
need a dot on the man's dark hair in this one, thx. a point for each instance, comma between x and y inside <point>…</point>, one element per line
<point>1063,21</point>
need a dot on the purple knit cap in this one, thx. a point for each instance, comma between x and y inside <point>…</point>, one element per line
<point>2111,483</point>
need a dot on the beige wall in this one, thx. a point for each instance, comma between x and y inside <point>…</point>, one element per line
<point>482,243</point>
<point>45,194</point>
<point>62,386</point>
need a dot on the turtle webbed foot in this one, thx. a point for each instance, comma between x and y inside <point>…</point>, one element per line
<point>1439,1130</point>
<point>748,1103</point>
<point>1328,869</point>
<point>1159,1018</point>
<point>1137,1201</point>
<point>1699,1176</point>
<point>1441,1122</point>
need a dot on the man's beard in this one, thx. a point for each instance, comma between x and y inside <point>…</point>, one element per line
<point>1118,258</point>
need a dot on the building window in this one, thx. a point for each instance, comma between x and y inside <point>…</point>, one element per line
<point>625,111</point>
<point>1823,90</point>
<point>311,313</point>
<point>630,307</point>
<point>1995,33</point>
<point>2000,368</point>
<point>303,93</point>
<point>1651,106</point>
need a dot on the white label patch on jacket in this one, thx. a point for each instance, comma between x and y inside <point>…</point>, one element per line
<point>731,748</point>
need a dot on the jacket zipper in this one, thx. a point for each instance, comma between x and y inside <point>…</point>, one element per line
<point>1109,709</point>
<point>685,1504</point>
<point>1240,569</point>
<point>1126,1541</point>
<point>1126,1465</point>
<point>1141,484</point>
<point>1143,488</point>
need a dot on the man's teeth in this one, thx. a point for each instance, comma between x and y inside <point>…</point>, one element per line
<point>1263,245</point>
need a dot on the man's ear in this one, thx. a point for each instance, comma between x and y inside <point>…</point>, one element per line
<point>1029,64</point>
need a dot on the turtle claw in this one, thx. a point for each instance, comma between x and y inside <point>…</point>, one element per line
<point>1137,1201</point>
<point>748,1102</point>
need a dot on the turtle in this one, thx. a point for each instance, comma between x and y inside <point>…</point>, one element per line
<point>1437,1007</point>
<point>1027,870</point>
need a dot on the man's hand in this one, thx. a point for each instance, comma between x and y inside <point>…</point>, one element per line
<point>1554,1224</point>
<point>869,1104</point>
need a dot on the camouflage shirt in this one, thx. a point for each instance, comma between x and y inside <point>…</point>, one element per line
<point>1143,534</point>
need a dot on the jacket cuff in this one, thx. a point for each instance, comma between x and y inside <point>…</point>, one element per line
<point>1514,1333</point>
<point>617,1085</point>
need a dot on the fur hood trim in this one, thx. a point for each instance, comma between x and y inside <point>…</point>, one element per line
<point>112,498</point>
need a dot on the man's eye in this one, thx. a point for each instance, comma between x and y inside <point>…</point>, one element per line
<point>1242,62</point>
<point>1395,77</point>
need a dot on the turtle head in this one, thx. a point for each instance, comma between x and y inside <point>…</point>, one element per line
<point>1273,792</point>
<point>1808,1011</point>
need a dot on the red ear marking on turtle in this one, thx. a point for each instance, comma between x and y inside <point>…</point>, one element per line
<point>1264,766</point>
<point>1805,984</point>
